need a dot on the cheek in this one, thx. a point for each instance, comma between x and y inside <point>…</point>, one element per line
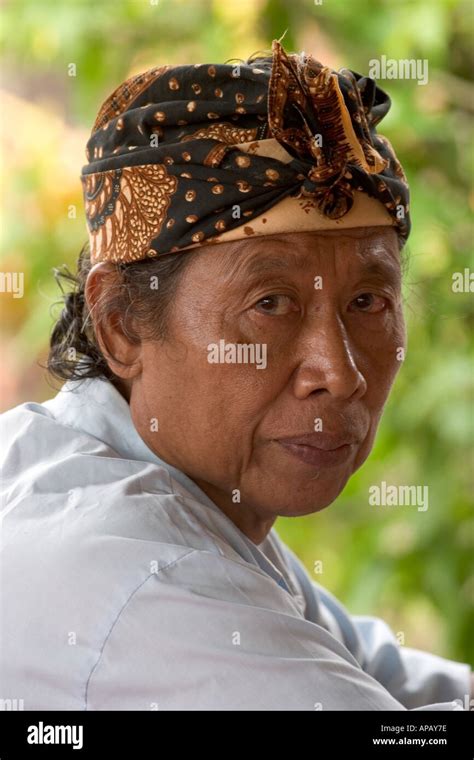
<point>380,349</point>
<point>236,399</point>
<point>230,370</point>
<point>217,405</point>
<point>381,356</point>
<point>378,329</point>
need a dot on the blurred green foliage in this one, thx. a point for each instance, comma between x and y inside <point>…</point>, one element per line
<point>414,569</point>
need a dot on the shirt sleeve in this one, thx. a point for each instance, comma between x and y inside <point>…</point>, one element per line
<point>171,648</point>
<point>417,679</point>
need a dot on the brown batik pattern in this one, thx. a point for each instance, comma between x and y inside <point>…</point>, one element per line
<point>165,170</point>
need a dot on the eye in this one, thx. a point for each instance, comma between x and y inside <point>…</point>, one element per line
<point>369,303</point>
<point>276,306</point>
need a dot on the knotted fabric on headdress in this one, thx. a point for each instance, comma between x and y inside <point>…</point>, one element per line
<point>185,156</point>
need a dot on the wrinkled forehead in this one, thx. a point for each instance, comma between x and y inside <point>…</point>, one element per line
<point>373,250</point>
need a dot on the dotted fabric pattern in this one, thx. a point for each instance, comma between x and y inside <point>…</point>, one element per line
<point>165,171</point>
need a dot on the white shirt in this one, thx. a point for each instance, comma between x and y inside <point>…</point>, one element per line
<point>124,587</point>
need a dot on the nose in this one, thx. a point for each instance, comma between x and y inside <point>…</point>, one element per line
<point>328,362</point>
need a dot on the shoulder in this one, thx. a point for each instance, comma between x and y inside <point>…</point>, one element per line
<point>82,532</point>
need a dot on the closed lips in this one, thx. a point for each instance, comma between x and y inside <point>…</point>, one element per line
<point>324,441</point>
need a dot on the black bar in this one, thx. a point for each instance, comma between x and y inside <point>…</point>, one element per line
<point>409,734</point>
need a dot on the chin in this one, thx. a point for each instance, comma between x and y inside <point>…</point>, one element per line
<point>306,497</point>
<point>302,511</point>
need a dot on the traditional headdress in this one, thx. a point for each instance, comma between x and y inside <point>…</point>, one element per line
<point>183,156</point>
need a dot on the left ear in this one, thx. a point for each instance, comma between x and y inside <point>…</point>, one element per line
<point>122,354</point>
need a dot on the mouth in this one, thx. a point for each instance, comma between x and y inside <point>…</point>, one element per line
<point>319,449</point>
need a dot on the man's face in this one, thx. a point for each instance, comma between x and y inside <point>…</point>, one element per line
<point>320,316</point>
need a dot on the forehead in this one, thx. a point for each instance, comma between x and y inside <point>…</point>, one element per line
<point>371,250</point>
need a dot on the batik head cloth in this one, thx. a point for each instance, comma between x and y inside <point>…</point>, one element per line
<point>183,156</point>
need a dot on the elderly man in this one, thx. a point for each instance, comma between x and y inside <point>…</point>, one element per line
<point>232,335</point>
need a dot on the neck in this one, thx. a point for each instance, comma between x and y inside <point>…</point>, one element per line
<point>256,527</point>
